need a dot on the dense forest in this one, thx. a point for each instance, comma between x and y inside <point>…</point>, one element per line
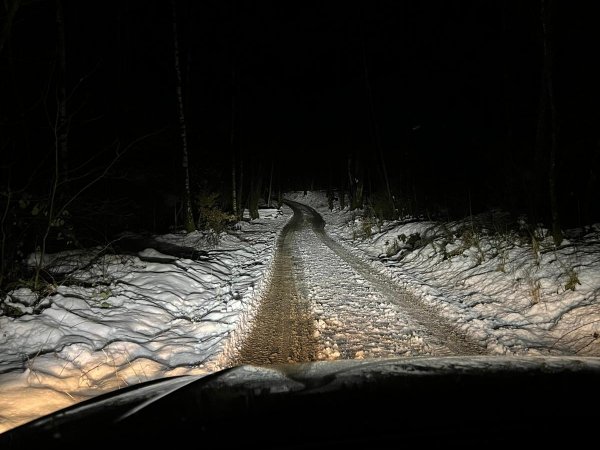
<point>154,115</point>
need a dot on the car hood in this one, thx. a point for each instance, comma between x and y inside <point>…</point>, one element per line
<point>340,404</point>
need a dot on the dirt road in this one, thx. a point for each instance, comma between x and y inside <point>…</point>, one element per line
<point>325,303</point>
<point>283,329</point>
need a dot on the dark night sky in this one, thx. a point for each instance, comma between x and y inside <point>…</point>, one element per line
<point>455,89</point>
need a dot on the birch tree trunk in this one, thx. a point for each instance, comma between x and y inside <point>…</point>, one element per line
<point>234,199</point>
<point>188,215</point>
<point>234,204</point>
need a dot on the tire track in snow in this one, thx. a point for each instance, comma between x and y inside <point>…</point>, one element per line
<point>283,329</point>
<point>360,312</point>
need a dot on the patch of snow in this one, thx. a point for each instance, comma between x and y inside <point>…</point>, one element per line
<point>134,318</point>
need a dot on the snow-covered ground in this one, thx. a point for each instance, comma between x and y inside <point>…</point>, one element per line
<point>124,319</point>
<point>514,292</point>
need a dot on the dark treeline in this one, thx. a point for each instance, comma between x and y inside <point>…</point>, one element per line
<point>440,109</point>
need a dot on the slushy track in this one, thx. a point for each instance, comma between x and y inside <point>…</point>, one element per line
<point>322,302</point>
<point>441,335</point>
<point>283,329</point>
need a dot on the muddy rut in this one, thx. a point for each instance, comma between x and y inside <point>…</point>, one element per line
<point>284,328</point>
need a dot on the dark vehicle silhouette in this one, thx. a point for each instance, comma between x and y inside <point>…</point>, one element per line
<point>423,402</point>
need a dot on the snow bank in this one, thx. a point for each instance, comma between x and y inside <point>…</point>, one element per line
<point>122,319</point>
<point>513,291</point>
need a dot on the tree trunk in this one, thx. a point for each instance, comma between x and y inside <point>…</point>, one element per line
<point>373,120</point>
<point>357,183</point>
<point>270,185</point>
<point>188,215</point>
<point>351,183</point>
<point>240,191</point>
<point>234,202</point>
<point>546,17</point>
<point>255,190</point>
<point>511,194</point>
<point>232,148</point>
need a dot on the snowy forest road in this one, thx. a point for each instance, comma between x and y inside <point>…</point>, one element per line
<point>324,303</point>
<point>283,329</point>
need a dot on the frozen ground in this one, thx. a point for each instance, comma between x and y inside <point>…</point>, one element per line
<point>513,292</point>
<point>125,319</point>
<point>122,319</point>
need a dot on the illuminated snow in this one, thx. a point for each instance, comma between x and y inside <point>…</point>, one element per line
<point>152,315</point>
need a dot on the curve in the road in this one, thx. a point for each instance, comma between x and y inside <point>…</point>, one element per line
<point>284,329</point>
<point>449,339</point>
